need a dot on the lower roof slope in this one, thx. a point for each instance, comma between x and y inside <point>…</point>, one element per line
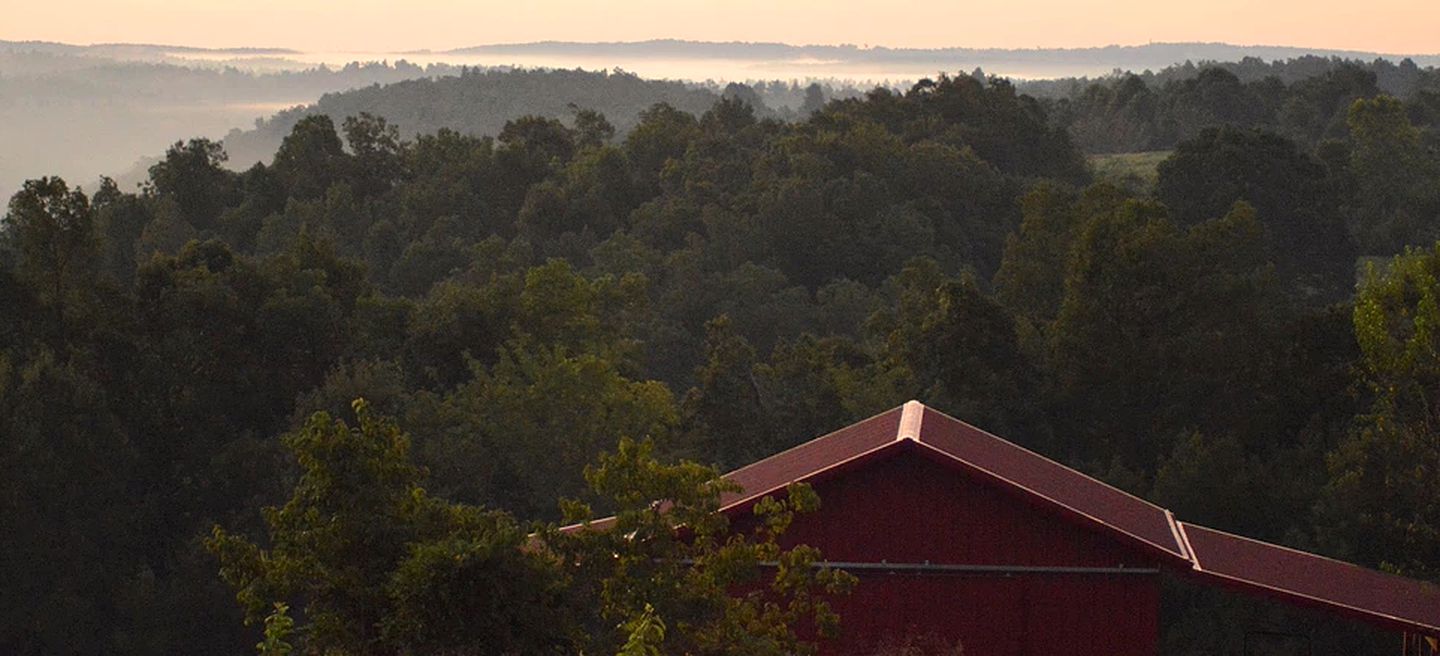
<point>1307,578</point>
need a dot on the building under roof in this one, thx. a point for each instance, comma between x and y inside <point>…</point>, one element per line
<point>962,535</point>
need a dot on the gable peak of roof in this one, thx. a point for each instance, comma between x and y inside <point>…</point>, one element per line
<point>911,415</point>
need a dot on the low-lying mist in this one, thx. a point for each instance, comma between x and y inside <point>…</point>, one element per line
<point>86,111</point>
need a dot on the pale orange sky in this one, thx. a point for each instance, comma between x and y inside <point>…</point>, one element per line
<point>1389,26</point>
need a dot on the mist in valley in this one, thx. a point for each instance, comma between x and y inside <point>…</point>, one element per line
<point>82,112</point>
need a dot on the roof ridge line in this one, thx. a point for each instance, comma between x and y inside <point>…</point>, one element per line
<point>1029,490</point>
<point>1042,456</point>
<point>807,442</point>
<point>911,414</point>
<point>752,496</point>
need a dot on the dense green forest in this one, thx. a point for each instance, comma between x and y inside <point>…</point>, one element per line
<point>715,286</point>
<point>1306,99</point>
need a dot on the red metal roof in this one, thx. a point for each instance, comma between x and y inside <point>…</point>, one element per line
<point>1270,569</point>
<point>1051,482</point>
<point>802,462</point>
<point>812,458</point>
<point>1211,555</point>
<point>976,451</point>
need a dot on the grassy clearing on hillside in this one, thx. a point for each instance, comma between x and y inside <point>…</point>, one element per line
<point>1132,171</point>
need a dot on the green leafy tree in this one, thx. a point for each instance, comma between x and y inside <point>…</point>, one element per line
<point>592,129</point>
<point>662,135</point>
<point>278,627</point>
<point>311,158</point>
<point>74,549</point>
<point>1395,203</point>
<point>1140,302</point>
<point>1316,108</point>
<point>541,145</point>
<point>645,634</point>
<point>1383,506</point>
<point>379,156</point>
<point>668,558</point>
<point>961,350</point>
<point>814,100</point>
<point>193,176</point>
<point>1304,234</point>
<point>382,567</point>
<point>1213,97</point>
<point>120,220</point>
<point>15,327</point>
<point>724,409</point>
<point>521,430</point>
<point>51,229</point>
<point>1031,278</point>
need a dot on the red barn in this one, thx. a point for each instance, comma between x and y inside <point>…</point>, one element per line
<point>958,534</point>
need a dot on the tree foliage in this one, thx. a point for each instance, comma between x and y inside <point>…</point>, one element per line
<point>1382,500</point>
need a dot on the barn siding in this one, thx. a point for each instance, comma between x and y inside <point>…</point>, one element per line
<point>907,508</point>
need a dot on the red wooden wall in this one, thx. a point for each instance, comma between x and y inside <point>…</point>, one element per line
<point>911,508</point>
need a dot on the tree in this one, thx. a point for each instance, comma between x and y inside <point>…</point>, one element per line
<point>1213,97</point>
<point>734,112</point>
<point>15,329</point>
<point>723,409</point>
<point>193,177</point>
<point>74,547</point>
<point>1382,506</point>
<point>668,558</point>
<point>663,134</point>
<point>1215,481</point>
<point>120,220</point>
<point>1395,204</point>
<point>1317,107</point>
<point>311,158</point>
<point>382,567</point>
<point>592,130</point>
<point>1304,234</point>
<point>379,566</point>
<point>814,100</point>
<point>1031,278</point>
<point>379,154</point>
<point>520,431</point>
<point>1140,303</point>
<point>1118,116</point>
<point>962,351</point>
<point>544,144</point>
<point>51,229</point>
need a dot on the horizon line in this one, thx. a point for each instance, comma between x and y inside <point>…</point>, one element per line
<point>706,42</point>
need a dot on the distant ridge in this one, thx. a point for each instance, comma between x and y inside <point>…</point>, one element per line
<point>1133,57</point>
<point>745,61</point>
<point>147,48</point>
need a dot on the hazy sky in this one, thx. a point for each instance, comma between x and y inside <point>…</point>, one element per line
<point>1391,26</point>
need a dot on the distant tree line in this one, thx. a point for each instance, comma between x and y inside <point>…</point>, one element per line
<point>1306,100</point>
<point>481,101</point>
